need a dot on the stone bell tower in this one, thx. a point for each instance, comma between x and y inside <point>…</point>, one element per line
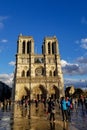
<point>50,50</point>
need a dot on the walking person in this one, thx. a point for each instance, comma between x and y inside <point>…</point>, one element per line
<point>51,109</point>
<point>64,109</point>
<point>44,103</point>
<point>5,104</point>
<point>82,101</point>
<point>68,105</point>
<point>36,104</point>
<point>76,104</point>
<point>9,104</point>
<point>86,103</point>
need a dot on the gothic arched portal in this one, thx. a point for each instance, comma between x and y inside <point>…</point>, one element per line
<point>39,92</point>
<point>53,92</point>
<point>23,92</point>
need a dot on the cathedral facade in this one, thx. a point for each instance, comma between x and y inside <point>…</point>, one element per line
<point>38,75</point>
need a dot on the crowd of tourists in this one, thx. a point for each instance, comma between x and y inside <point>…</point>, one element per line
<point>65,104</point>
<point>51,106</point>
<point>5,105</point>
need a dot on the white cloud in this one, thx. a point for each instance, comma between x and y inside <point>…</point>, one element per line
<point>84,46</point>
<point>12,63</point>
<point>4,40</point>
<point>80,83</point>
<point>82,60</point>
<point>84,40</point>
<point>7,78</point>
<point>83,43</point>
<point>63,63</point>
<point>2,18</point>
<point>75,68</point>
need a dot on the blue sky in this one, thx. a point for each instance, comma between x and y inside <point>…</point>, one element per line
<point>66,19</point>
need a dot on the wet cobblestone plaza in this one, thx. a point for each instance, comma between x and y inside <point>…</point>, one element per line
<point>18,119</point>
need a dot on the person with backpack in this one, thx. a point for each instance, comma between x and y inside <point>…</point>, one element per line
<point>64,109</point>
<point>68,104</point>
<point>86,103</point>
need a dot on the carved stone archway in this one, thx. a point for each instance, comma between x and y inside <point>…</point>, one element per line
<point>54,92</point>
<point>39,92</point>
<point>23,92</point>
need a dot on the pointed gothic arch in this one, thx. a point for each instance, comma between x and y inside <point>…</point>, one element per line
<point>39,92</point>
<point>23,74</point>
<point>28,73</point>
<point>49,51</point>
<point>23,47</point>
<point>50,73</point>
<point>28,47</point>
<point>54,92</point>
<point>53,47</point>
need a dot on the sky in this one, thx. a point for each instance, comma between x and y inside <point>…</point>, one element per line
<point>65,19</point>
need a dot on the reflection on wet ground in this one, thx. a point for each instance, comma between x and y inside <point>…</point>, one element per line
<point>18,119</point>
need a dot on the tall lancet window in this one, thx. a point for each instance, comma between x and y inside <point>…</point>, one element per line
<point>49,48</point>
<point>28,73</point>
<point>53,47</point>
<point>28,47</point>
<point>23,47</point>
<point>23,73</point>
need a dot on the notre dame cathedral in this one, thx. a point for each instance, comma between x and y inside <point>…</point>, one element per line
<point>38,75</point>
